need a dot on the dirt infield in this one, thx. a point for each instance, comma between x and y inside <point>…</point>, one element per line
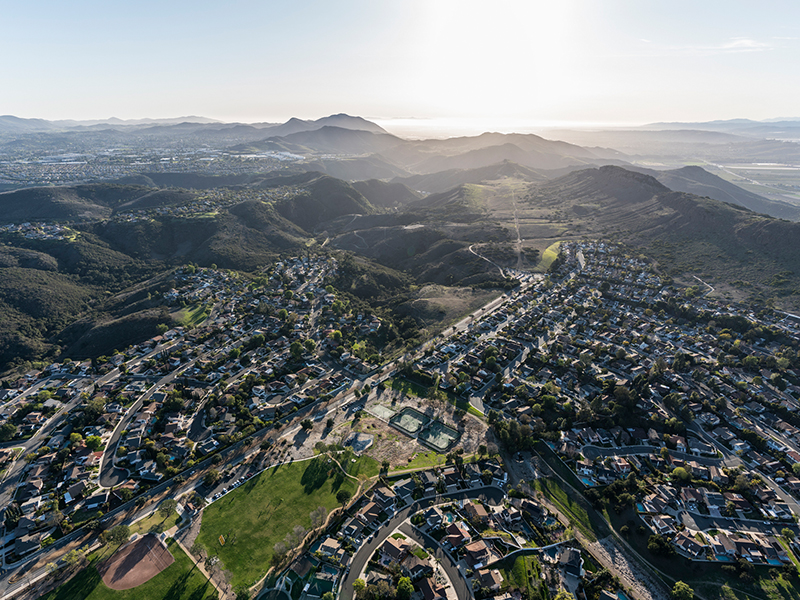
<point>136,563</point>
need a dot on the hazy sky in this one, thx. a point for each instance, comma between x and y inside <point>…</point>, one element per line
<point>553,61</point>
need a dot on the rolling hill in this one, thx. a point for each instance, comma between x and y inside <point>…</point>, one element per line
<point>698,181</point>
<point>443,181</point>
<point>749,254</point>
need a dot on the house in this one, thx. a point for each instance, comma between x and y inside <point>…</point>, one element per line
<point>726,545</point>
<point>691,497</point>
<point>415,567</point>
<point>476,513</point>
<point>394,550</point>
<point>456,535</point>
<point>431,590</point>
<point>472,474</point>
<point>369,514</point>
<point>663,524</point>
<point>688,545</point>
<point>490,579</point>
<point>404,488</point>
<point>511,515</point>
<point>352,528</point>
<point>330,547</point>
<point>572,562</point>
<point>451,478</point>
<point>535,511</point>
<point>477,554</point>
<point>433,516</point>
<point>717,475</point>
<point>74,492</point>
<point>385,498</point>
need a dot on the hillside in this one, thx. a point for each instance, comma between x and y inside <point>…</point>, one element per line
<point>385,195</point>
<point>446,180</point>
<point>740,252</point>
<point>323,199</point>
<point>78,202</point>
<point>698,181</point>
<point>338,140</point>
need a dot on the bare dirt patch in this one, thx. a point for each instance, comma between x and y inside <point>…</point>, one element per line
<point>135,563</point>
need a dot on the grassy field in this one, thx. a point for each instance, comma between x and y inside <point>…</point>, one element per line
<point>578,516</point>
<point>155,523</point>
<point>257,515</point>
<point>180,581</point>
<point>192,316</point>
<point>409,388</point>
<point>522,573</point>
<point>548,256</point>
<point>423,460</point>
<point>363,467</point>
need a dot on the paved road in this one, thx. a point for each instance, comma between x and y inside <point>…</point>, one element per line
<point>460,585</point>
<point>494,496</point>
<point>592,452</point>
<point>704,522</point>
<point>110,474</point>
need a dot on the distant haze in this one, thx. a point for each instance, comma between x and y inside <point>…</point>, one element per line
<point>525,61</point>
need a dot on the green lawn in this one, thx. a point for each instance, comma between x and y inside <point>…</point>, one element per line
<point>409,388</point>
<point>548,256</point>
<point>181,580</point>
<point>423,460</point>
<point>363,468</point>
<point>578,515</point>
<point>192,316</point>
<point>257,515</point>
<point>155,523</point>
<point>522,573</point>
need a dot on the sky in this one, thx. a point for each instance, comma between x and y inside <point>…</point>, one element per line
<point>511,63</point>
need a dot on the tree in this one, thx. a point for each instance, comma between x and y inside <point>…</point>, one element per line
<point>329,423</point>
<point>296,349</point>
<point>328,596</point>
<point>280,549</point>
<point>119,534</point>
<point>7,431</point>
<point>318,516</point>
<point>343,497</point>
<point>306,424</point>
<point>680,474</point>
<point>167,507</point>
<point>94,442</point>
<point>787,534</point>
<point>404,588</point>
<point>74,558</point>
<point>359,585</point>
<point>210,478</point>
<point>310,345</point>
<point>682,591</point>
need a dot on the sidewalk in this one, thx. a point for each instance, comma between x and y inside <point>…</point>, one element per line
<point>222,594</point>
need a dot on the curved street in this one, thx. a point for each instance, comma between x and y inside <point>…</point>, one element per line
<point>494,496</point>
